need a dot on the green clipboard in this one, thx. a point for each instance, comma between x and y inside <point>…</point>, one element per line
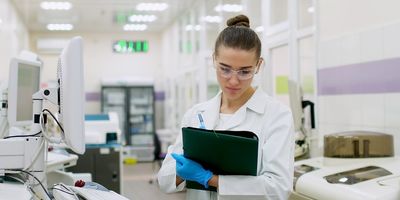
<point>222,152</point>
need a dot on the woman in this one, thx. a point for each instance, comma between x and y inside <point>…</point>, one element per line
<point>238,106</point>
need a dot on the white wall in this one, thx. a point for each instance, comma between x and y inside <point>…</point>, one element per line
<point>100,61</point>
<point>14,36</point>
<point>339,17</point>
<point>354,32</point>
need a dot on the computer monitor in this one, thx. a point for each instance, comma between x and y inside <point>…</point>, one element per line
<point>295,98</point>
<point>24,81</point>
<point>71,95</point>
<point>26,153</point>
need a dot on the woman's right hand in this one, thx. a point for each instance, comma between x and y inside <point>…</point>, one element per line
<point>190,170</point>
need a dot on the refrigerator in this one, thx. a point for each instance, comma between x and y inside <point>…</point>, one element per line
<point>135,107</point>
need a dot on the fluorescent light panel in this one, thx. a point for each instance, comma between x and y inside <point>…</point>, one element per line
<point>142,18</point>
<point>60,27</point>
<point>151,6</point>
<point>191,27</point>
<point>212,19</point>
<point>55,5</point>
<point>228,8</point>
<point>259,29</point>
<point>135,27</point>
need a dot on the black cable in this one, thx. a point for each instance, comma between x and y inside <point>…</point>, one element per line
<point>62,185</point>
<point>15,136</point>
<point>55,119</point>
<point>68,190</point>
<point>26,172</point>
<point>62,190</point>
<point>15,178</point>
<point>33,192</point>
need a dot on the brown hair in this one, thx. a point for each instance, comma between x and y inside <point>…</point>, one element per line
<point>239,35</point>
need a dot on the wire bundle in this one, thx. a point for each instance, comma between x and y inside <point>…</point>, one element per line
<point>27,170</point>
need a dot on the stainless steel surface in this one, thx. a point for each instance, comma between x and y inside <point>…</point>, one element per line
<point>358,144</point>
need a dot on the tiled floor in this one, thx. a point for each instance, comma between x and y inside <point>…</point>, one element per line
<point>137,186</point>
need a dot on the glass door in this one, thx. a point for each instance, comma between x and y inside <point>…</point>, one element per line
<point>114,100</point>
<point>141,116</point>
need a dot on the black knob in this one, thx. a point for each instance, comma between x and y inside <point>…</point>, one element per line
<point>46,92</point>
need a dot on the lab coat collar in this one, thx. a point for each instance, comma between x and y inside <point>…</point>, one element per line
<point>257,102</point>
<point>211,109</point>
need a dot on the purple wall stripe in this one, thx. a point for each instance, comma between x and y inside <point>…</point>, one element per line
<point>96,96</point>
<point>93,96</point>
<point>381,76</point>
<point>159,96</point>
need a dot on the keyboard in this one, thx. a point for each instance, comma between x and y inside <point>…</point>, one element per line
<point>93,194</point>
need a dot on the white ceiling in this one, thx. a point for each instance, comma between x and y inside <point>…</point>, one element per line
<point>96,15</point>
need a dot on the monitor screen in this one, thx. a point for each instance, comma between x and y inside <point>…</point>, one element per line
<point>23,82</point>
<point>28,84</point>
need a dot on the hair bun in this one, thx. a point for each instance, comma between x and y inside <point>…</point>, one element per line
<point>239,20</point>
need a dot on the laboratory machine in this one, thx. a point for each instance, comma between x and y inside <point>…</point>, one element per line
<point>102,128</point>
<point>23,150</point>
<point>103,156</point>
<point>303,124</point>
<point>358,165</point>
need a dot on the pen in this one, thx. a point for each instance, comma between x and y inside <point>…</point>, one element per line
<point>202,125</point>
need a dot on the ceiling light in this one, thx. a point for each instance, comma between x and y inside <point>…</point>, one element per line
<point>60,27</point>
<point>142,18</point>
<point>191,27</point>
<point>228,8</point>
<point>259,29</point>
<point>212,19</point>
<point>311,9</point>
<point>135,27</point>
<point>151,6</point>
<point>1,21</point>
<point>58,5</point>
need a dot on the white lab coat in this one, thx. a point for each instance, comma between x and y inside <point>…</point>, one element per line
<point>273,124</point>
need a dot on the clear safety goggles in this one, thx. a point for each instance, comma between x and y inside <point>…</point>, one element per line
<point>241,74</point>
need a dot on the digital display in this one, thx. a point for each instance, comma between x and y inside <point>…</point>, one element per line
<point>129,46</point>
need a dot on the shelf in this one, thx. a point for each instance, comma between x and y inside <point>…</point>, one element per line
<point>113,105</point>
<point>135,105</point>
<point>136,114</point>
<point>142,133</point>
<point>146,102</point>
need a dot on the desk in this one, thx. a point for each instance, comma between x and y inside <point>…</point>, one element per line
<point>14,191</point>
<point>56,161</point>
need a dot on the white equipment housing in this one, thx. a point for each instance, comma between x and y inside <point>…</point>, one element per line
<point>97,129</point>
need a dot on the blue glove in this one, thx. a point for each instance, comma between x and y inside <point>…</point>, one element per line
<point>190,170</point>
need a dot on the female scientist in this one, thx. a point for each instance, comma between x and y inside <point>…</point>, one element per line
<point>238,106</point>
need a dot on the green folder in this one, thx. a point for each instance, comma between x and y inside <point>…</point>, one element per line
<point>222,152</point>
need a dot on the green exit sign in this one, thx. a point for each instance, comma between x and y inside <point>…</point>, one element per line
<point>129,46</point>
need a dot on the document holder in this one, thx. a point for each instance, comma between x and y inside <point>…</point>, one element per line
<point>221,152</point>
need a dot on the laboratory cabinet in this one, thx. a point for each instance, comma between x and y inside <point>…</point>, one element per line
<point>135,107</point>
<point>103,162</point>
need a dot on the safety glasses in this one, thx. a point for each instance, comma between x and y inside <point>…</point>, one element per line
<point>242,74</point>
